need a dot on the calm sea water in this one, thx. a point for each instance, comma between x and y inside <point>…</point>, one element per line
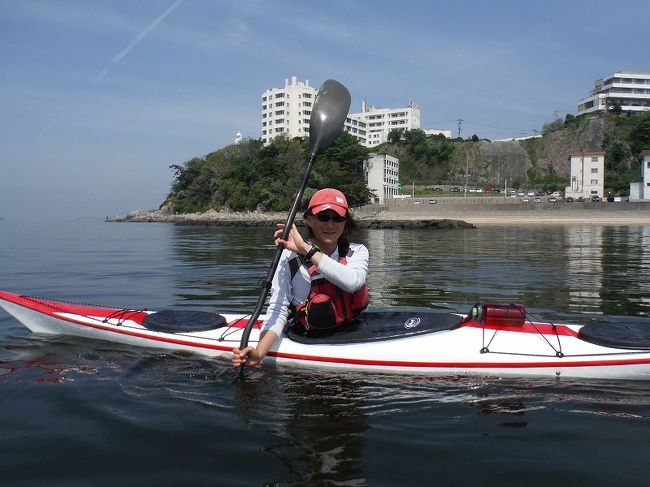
<point>76,412</point>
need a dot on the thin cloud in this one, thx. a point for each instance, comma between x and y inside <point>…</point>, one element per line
<point>136,40</point>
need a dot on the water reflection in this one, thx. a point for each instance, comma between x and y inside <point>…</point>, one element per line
<point>584,266</point>
<point>551,269</point>
<point>590,269</point>
<point>220,266</point>
<point>317,423</point>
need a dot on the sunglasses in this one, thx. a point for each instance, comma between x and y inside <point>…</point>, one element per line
<point>325,217</point>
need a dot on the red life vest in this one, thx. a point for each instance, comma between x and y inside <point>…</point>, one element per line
<point>327,305</point>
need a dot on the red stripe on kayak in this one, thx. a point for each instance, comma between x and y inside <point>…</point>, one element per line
<point>463,365</point>
<point>242,322</point>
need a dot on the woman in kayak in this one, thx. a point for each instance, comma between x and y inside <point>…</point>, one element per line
<point>320,282</point>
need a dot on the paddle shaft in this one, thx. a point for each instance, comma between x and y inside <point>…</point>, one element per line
<point>278,253</point>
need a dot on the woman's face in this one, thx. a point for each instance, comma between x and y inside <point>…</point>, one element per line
<point>327,226</point>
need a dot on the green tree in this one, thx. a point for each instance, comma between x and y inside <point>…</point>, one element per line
<point>640,134</point>
<point>395,135</point>
<point>341,167</point>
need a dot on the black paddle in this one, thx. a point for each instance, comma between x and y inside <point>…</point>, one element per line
<point>326,122</point>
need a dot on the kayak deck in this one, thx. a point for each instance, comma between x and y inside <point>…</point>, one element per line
<point>375,325</point>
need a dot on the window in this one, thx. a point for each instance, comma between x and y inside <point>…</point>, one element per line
<point>648,166</point>
<point>594,159</point>
<point>594,182</point>
<point>594,170</point>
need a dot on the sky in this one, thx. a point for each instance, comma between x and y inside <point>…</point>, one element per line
<point>99,98</point>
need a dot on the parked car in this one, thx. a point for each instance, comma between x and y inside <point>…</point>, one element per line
<point>433,202</point>
<point>525,200</point>
<point>595,198</point>
<point>455,189</point>
<point>568,199</point>
<point>553,199</point>
<point>580,199</point>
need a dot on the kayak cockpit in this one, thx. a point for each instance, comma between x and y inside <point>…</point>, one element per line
<point>629,336</point>
<point>380,325</point>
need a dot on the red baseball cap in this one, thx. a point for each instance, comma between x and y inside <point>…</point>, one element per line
<point>328,199</point>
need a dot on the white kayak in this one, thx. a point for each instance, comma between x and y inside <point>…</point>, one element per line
<point>491,340</point>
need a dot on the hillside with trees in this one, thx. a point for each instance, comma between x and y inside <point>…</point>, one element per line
<point>250,177</point>
<point>540,162</point>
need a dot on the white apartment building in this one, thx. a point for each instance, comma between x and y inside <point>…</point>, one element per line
<point>641,191</point>
<point>587,175</point>
<point>382,176</point>
<point>287,110</point>
<point>372,125</point>
<point>434,132</point>
<point>630,88</point>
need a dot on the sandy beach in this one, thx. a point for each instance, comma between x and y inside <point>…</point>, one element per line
<point>623,213</point>
<point>481,218</point>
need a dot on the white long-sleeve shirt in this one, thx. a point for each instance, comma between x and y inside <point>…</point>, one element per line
<point>286,291</point>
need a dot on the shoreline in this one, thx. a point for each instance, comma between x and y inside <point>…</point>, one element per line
<point>270,219</point>
<point>440,216</point>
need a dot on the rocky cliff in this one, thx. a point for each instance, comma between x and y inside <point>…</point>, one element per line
<point>492,162</point>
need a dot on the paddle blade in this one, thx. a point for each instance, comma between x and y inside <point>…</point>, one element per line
<point>328,115</point>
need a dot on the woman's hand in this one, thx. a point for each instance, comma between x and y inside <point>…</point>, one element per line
<point>249,357</point>
<point>294,241</point>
